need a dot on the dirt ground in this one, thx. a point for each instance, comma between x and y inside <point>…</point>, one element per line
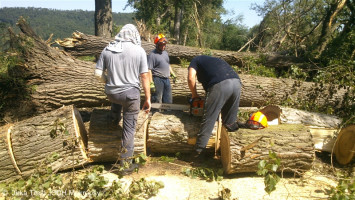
<point>248,186</point>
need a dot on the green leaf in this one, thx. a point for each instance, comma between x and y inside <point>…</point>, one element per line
<point>262,164</point>
<point>274,168</point>
<point>46,185</point>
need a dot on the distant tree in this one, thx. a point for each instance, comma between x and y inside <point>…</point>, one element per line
<point>186,22</point>
<point>234,36</point>
<point>103,18</point>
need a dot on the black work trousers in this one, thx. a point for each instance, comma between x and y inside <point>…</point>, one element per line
<point>223,98</point>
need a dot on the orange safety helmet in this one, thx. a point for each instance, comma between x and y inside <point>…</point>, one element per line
<point>160,39</point>
<point>257,121</point>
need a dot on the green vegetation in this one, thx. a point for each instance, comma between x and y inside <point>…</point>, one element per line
<point>268,169</point>
<point>13,85</point>
<point>61,23</point>
<point>345,190</point>
<point>204,173</point>
<point>90,184</point>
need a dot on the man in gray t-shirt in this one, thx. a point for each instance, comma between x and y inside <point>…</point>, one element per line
<point>125,62</point>
<point>159,67</point>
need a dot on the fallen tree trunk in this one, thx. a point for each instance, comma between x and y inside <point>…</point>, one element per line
<point>260,91</point>
<point>60,80</point>
<point>175,131</point>
<point>242,151</point>
<point>83,45</point>
<point>57,79</point>
<point>27,144</point>
<point>104,138</point>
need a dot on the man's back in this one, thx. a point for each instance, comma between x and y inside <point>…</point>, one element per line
<point>212,70</point>
<point>124,68</point>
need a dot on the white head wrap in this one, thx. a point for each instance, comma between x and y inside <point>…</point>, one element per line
<point>128,33</point>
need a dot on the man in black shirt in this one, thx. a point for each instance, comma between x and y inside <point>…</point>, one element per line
<point>223,86</point>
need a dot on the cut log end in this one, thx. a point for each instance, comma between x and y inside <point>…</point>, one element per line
<point>345,145</point>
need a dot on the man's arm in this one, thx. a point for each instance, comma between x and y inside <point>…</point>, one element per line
<point>150,75</point>
<point>191,78</point>
<point>146,87</point>
<point>100,69</point>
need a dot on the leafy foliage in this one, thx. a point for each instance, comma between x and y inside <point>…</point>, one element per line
<point>45,184</point>
<point>13,87</point>
<point>204,173</point>
<point>345,190</point>
<point>268,169</point>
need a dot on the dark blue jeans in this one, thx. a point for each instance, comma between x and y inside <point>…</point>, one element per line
<point>162,90</point>
<point>129,102</point>
<point>223,98</point>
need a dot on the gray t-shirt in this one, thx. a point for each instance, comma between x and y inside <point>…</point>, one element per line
<point>159,63</point>
<point>124,68</point>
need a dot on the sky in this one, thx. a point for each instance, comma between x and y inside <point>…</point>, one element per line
<point>239,7</point>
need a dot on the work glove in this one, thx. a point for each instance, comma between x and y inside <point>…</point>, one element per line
<point>152,87</point>
<point>173,77</point>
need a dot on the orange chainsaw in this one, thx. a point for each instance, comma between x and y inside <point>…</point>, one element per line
<point>195,108</point>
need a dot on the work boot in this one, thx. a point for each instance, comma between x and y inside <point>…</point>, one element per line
<point>127,167</point>
<point>232,127</point>
<point>242,125</point>
<point>132,167</point>
<point>198,156</point>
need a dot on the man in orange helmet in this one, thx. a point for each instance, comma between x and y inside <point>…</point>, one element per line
<point>160,70</point>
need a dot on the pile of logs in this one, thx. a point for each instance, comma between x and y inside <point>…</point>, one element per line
<point>27,144</point>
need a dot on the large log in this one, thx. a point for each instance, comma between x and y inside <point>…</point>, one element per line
<point>104,138</point>
<point>241,151</point>
<point>27,144</point>
<point>81,44</point>
<point>175,131</point>
<point>260,91</point>
<point>60,80</point>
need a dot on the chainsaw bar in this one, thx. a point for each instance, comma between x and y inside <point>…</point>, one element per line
<point>167,106</point>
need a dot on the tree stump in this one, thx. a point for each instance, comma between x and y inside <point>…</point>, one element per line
<point>27,144</point>
<point>241,151</point>
<point>175,131</point>
<point>104,138</point>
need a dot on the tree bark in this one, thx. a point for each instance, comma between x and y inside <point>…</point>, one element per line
<point>242,151</point>
<point>82,45</point>
<point>103,18</point>
<point>259,91</point>
<point>177,21</point>
<point>104,138</point>
<point>175,131</point>
<point>28,143</point>
<point>57,79</point>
